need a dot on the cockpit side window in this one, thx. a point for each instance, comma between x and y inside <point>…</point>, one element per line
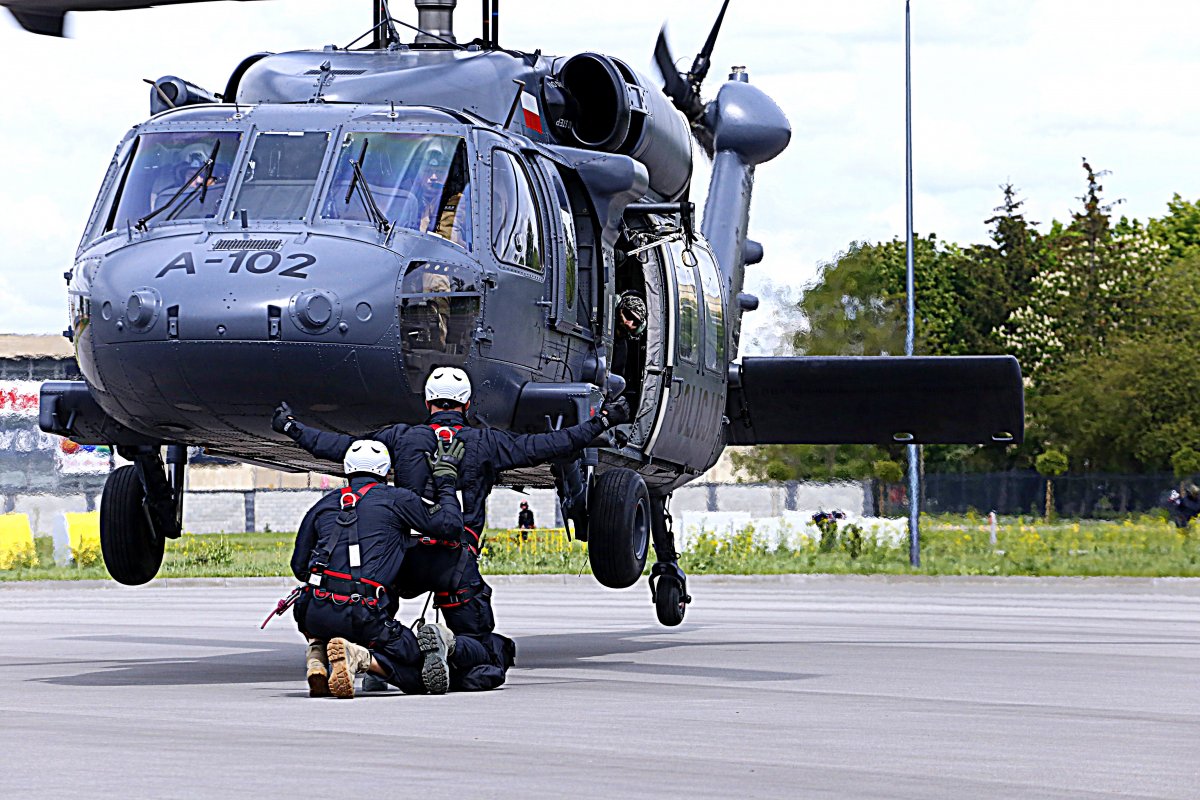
<point>516,229</point>
<point>168,177</point>
<point>419,182</point>
<point>281,175</point>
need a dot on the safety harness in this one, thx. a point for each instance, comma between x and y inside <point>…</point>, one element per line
<point>340,588</point>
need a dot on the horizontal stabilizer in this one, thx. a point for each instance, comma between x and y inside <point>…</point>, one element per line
<point>876,400</point>
<point>47,23</point>
<point>46,16</point>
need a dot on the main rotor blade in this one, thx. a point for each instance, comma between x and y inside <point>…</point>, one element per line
<point>46,16</point>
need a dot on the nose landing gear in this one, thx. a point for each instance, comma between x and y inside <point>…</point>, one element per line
<point>668,583</point>
<point>139,510</point>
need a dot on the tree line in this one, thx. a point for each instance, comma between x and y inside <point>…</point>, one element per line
<point>1102,313</point>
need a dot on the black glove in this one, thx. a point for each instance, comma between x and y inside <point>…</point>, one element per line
<point>283,422</point>
<point>614,412</point>
<point>446,457</point>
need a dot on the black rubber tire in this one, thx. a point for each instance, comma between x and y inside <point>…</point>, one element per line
<point>132,551</point>
<point>668,601</point>
<point>618,528</point>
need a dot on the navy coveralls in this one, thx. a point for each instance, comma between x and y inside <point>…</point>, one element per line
<point>385,517</point>
<point>459,588</point>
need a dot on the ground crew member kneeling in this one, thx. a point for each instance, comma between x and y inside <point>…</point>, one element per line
<point>349,550</point>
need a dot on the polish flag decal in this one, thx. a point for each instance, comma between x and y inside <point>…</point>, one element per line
<point>533,119</point>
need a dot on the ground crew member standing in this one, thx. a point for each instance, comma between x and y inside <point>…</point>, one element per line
<point>462,596</point>
<point>349,551</point>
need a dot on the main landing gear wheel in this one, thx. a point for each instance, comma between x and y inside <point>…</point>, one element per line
<point>132,551</point>
<point>619,528</point>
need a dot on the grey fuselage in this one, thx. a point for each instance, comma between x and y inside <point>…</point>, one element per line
<point>265,276</point>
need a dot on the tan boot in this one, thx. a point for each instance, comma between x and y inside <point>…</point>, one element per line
<point>346,659</point>
<point>437,643</point>
<point>318,670</point>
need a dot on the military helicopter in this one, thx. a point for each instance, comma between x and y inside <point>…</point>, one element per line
<point>337,222</point>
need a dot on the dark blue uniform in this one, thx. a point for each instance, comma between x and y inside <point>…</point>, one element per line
<point>453,575</point>
<point>355,603</point>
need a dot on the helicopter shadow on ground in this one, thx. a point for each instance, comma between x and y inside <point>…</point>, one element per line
<point>595,652</point>
<point>271,662</point>
<point>257,662</point>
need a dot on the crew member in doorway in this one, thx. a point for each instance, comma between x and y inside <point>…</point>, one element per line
<point>349,552</point>
<point>525,520</point>
<point>630,326</point>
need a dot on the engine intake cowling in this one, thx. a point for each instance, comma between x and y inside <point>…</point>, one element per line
<point>609,107</point>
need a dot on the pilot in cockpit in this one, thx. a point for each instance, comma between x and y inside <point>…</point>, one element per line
<point>443,204</point>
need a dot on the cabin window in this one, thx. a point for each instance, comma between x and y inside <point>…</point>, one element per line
<point>439,311</point>
<point>689,312</point>
<point>281,175</point>
<point>168,178</point>
<point>516,230</point>
<point>418,182</point>
<point>714,312</point>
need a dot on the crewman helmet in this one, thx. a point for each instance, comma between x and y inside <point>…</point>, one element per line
<point>633,308</point>
<point>448,383</point>
<point>367,456</point>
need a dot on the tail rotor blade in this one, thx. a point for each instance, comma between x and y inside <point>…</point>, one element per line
<point>703,60</point>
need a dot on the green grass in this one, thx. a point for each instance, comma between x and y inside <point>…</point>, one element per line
<point>1144,546</point>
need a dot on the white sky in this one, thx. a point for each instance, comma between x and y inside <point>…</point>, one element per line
<point>1004,91</point>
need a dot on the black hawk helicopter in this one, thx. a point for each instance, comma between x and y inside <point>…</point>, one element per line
<point>338,222</point>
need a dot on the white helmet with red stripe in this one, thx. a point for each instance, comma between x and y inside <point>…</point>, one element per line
<point>367,456</point>
<point>448,383</point>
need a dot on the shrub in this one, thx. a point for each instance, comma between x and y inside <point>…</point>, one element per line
<point>86,553</point>
<point>43,548</point>
<point>207,551</point>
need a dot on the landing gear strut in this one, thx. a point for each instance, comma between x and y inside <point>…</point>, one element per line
<point>142,507</point>
<point>668,583</point>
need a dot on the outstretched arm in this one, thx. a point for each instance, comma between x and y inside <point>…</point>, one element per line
<point>326,444</point>
<point>525,450</point>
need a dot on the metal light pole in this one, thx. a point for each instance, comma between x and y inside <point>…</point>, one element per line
<point>914,477</point>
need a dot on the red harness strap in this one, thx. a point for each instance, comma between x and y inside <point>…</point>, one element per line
<point>350,497</point>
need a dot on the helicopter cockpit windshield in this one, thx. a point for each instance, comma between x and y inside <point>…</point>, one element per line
<point>415,181</point>
<point>280,175</point>
<point>169,177</point>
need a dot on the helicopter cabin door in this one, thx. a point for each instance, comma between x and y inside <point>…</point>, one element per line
<point>515,302</point>
<point>692,402</point>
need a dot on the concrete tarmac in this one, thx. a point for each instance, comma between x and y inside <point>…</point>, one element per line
<point>797,687</point>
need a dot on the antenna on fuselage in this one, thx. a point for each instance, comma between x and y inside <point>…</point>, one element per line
<point>490,35</point>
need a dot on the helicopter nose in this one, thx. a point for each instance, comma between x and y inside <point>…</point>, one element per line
<point>208,336</point>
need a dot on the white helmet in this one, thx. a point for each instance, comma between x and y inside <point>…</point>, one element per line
<point>448,383</point>
<point>368,456</point>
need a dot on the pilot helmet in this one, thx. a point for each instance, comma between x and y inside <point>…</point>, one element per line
<point>448,383</point>
<point>633,308</point>
<point>367,456</point>
<point>524,505</point>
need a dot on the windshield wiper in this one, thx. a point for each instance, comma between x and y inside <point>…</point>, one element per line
<point>205,169</point>
<point>365,194</point>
